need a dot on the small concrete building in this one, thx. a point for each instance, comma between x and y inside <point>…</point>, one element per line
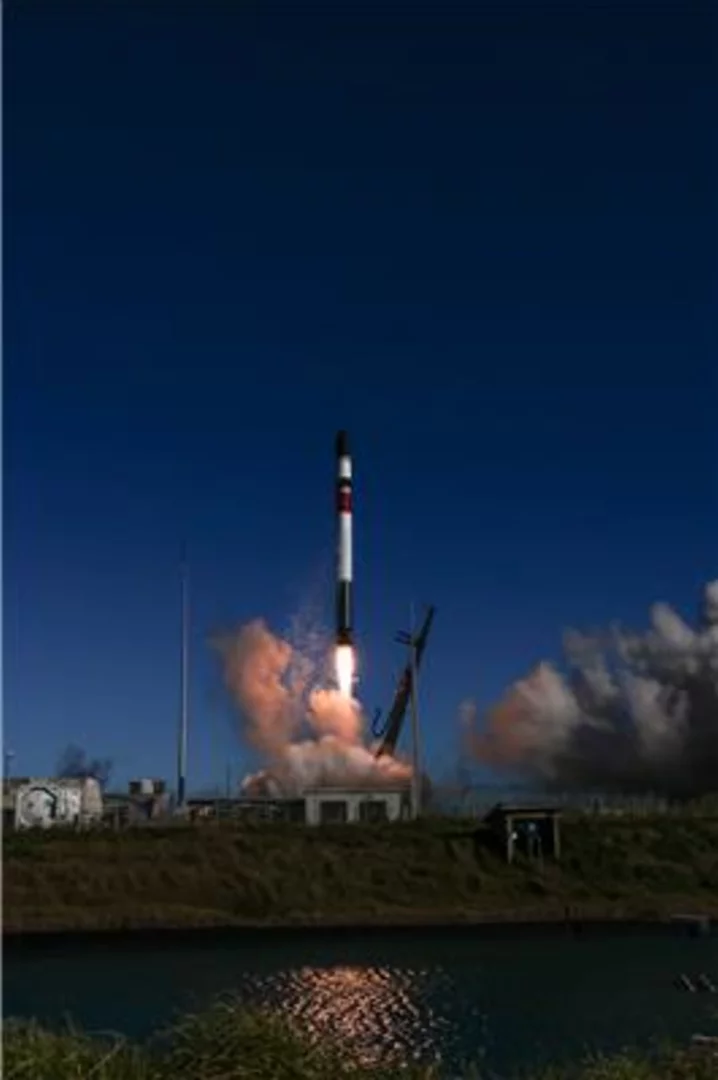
<point>146,800</point>
<point>149,799</point>
<point>340,805</point>
<point>533,831</point>
<point>61,801</point>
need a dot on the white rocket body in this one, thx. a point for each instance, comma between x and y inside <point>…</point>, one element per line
<point>345,568</point>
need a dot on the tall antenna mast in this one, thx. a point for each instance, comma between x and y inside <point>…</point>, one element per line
<point>184,688</point>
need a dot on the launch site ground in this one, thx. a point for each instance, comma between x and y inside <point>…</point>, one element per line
<point>434,871</point>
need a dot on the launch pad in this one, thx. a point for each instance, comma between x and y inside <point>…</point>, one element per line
<point>346,763</point>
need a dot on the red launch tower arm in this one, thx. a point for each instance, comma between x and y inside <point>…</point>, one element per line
<point>391,730</point>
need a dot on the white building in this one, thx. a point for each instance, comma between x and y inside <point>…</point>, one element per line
<point>63,801</point>
<point>340,805</point>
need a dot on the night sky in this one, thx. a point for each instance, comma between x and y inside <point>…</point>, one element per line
<point>484,243</point>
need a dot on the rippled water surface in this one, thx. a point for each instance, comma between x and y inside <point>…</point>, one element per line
<point>505,1000</point>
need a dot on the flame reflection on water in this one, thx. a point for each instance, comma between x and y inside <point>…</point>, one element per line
<point>382,1015</point>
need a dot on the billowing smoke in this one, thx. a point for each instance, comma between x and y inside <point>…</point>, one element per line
<point>74,763</point>
<point>308,733</point>
<point>635,713</point>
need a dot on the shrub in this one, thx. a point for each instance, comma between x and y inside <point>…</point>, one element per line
<point>228,1043</point>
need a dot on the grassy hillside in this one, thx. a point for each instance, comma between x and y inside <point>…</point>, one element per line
<point>184,876</point>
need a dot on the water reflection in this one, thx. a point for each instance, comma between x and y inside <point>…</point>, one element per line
<point>382,1015</point>
<point>510,1003</point>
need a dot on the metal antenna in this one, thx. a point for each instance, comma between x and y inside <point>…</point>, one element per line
<point>184,688</point>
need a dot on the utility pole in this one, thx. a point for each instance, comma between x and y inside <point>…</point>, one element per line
<point>184,689</point>
<point>410,640</point>
<point>7,761</point>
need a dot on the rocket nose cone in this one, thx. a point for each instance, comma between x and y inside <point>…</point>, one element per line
<point>342,444</point>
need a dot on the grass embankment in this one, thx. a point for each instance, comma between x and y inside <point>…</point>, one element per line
<point>430,871</point>
<point>225,1043</point>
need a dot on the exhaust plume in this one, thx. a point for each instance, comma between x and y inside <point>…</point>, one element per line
<point>310,734</point>
<point>74,763</point>
<point>344,667</point>
<point>634,713</point>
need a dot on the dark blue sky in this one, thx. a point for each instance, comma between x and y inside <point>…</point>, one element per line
<point>485,244</point>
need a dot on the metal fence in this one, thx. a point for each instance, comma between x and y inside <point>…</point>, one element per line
<point>477,800</point>
<point>469,802</point>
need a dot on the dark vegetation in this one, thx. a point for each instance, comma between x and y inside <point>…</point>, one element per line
<point>225,1043</point>
<point>431,871</point>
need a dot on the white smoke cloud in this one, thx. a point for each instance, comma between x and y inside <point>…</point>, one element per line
<point>309,734</point>
<point>637,713</point>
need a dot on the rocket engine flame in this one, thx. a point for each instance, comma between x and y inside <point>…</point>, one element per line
<point>634,713</point>
<point>308,734</point>
<point>344,667</point>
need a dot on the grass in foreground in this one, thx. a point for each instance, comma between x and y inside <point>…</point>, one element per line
<point>228,1043</point>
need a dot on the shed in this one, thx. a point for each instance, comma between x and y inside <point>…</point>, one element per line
<point>533,831</point>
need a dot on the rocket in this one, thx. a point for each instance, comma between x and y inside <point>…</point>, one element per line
<point>344,540</point>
